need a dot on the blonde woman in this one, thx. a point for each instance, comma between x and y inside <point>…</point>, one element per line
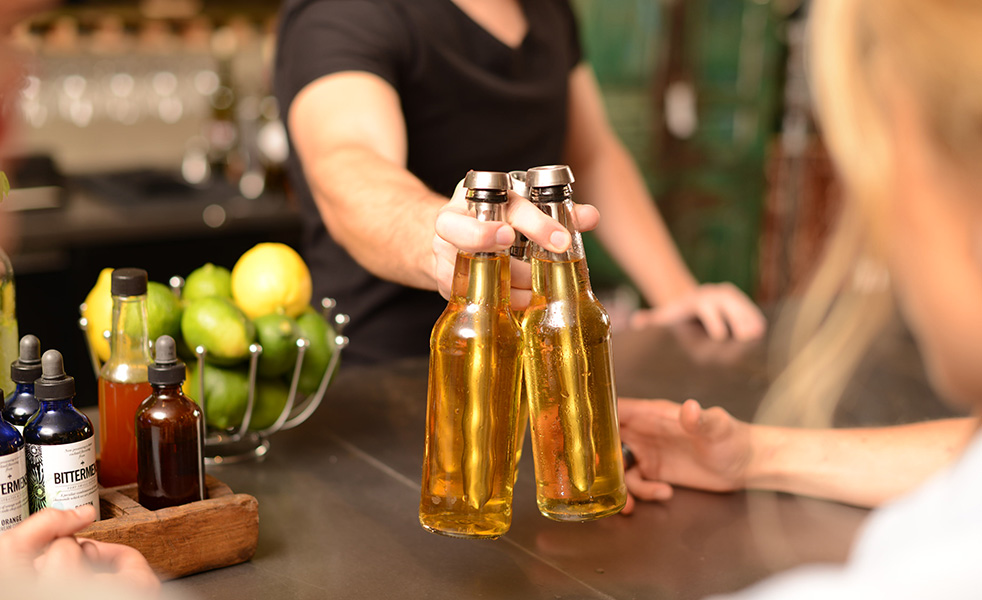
<point>897,85</point>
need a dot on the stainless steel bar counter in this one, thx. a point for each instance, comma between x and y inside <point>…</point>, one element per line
<point>338,495</point>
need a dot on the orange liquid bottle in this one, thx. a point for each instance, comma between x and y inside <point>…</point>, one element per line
<point>123,381</point>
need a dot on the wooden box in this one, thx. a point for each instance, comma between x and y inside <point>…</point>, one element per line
<point>177,541</point>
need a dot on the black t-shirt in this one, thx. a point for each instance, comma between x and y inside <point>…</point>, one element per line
<point>469,102</point>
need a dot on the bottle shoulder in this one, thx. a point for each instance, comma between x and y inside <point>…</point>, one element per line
<point>10,439</point>
<point>58,425</point>
<point>168,408</point>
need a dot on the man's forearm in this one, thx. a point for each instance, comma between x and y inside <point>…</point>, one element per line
<point>864,467</point>
<point>631,228</point>
<point>379,212</point>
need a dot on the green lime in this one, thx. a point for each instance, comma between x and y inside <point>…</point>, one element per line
<point>277,334</point>
<point>163,312</point>
<point>226,394</point>
<point>320,334</point>
<point>271,396</point>
<point>207,280</point>
<point>220,327</point>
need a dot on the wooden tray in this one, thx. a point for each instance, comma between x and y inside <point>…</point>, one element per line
<point>177,541</point>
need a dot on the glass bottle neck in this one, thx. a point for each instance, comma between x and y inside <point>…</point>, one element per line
<point>24,388</point>
<point>483,277</point>
<point>129,342</point>
<point>563,212</point>
<point>49,405</point>
<point>170,389</point>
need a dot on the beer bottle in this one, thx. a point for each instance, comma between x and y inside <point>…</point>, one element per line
<point>468,468</point>
<point>569,373</point>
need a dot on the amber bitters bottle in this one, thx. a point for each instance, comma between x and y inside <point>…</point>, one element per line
<point>168,436</point>
<point>469,463</point>
<point>569,373</point>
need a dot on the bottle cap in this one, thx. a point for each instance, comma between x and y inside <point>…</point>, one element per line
<point>549,176</point>
<point>129,282</point>
<point>27,367</point>
<point>54,384</point>
<point>518,184</point>
<point>166,369</point>
<point>486,180</point>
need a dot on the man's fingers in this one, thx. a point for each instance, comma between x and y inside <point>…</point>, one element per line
<point>470,235</point>
<point>710,317</point>
<point>537,226</point>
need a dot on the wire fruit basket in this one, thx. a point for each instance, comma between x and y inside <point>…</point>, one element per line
<point>227,446</point>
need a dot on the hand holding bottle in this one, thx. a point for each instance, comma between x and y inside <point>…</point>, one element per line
<point>456,230</point>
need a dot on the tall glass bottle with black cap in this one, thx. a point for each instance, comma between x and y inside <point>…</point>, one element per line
<point>168,436</point>
<point>22,404</point>
<point>123,382</point>
<point>568,372</point>
<point>468,468</point>
<point>60,443</point>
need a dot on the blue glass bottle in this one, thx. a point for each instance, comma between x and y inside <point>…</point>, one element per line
<point>22,405</point>
<point>60,443</point>
<point>13,476</point>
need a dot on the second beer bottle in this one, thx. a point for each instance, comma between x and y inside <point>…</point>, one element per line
<point>569,373</point>
<point>123,381</point>
<point>472,398</point>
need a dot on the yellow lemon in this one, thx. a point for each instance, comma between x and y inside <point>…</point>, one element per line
<point>270,278</point>
<point>99,313</point>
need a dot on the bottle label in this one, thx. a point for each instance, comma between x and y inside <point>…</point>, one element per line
<point>63,476</point>
<point>13,489</point>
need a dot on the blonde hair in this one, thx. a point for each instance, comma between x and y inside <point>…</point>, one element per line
<point>859,51</point>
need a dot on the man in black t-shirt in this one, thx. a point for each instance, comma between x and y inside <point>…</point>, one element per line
<point>390,102</point>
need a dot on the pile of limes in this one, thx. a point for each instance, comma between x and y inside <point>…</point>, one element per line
<point>265,298</point>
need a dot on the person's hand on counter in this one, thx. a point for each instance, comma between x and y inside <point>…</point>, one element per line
<point>709,449</point>
<point>457,231</point>
<point>43,548</point>
<point>722,308</point>
<point>682,444</point>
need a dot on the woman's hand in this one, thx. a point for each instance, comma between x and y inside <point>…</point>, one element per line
<point>457,231</point>
<point>682,444</point>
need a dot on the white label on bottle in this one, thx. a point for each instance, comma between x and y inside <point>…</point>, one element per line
<point>63,476</point>
<point>13,489</point>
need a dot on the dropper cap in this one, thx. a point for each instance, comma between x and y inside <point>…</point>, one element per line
<point>27,367</point>
<point>129,282</point>
<point>166,369</point>
<point>54,384</point>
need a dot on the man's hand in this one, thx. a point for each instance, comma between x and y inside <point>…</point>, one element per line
<point>683,445</point>
<point>42,547</point>
<point>457,231</point>
<point>722,309</point>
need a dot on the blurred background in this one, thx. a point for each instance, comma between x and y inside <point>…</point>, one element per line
<point>147,135</point>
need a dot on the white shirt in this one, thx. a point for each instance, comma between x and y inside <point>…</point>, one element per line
<point>925,545</point>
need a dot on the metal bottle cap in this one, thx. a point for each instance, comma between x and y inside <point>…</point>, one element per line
<point>518,185</point>
<point>486,180</point>
<point>549,176</point>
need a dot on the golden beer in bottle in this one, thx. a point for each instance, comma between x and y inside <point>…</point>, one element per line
<point>475,354</point>
<point>569,375</point>
<point>519,251</point>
